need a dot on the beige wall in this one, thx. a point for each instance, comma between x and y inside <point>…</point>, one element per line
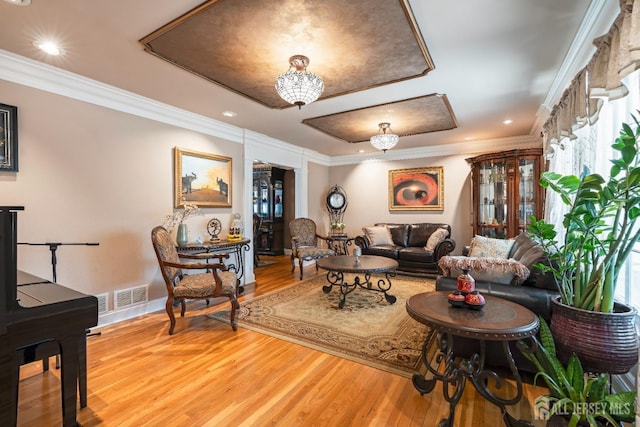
<point>92,174</point>
<point>319,183</point>
<point>367,188</point>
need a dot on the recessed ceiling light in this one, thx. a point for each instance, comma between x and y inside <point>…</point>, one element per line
<point>19,2</point>
<point>229,113</point>
<point>508,122</point>
<point>49,47</point>
<point>468,138</point>
<point>361,151</point>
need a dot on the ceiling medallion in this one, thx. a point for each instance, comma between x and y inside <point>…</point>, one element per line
<point>384,141</point>
<point>297,86</point>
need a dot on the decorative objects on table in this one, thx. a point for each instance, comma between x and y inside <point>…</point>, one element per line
<point>466,282</point>
<point>178,218</point>
<point>182,235</point>
<point>416,189</point>
<point>201,179</point>
<point>466,295</point>
<point>601,230</point>
<point>8,138</point>
<point>235,231</point>
<point>214,226</point>
<point>384,141</point>
<point>298,86</point>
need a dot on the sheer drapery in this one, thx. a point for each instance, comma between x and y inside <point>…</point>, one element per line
<point>574,135</point>
<point>617,55</point>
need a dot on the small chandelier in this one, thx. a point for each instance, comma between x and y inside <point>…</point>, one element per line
<point>383,141</point>
<point>297,86</point>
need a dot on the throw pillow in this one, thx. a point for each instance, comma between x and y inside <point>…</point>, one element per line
<point>378,235</point>
<point>436,237</point>
<point>491,248</point>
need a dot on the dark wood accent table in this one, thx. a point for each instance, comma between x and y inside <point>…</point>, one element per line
<point>340,243</point>
<point>205,249</point>
<point>367,265</point>
<point>499,320</point>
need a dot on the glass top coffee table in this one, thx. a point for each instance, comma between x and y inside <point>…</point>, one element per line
<point>364,265</point>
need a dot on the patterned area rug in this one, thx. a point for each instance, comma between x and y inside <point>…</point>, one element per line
<point>367,330</point>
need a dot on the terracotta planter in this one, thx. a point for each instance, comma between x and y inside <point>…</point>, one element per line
<point>604,342</point>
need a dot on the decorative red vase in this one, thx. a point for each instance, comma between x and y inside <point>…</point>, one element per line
<point>475,300</point>
<point>456,299</point>
<point>466,283</point>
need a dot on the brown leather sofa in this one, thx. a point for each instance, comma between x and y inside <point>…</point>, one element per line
<point>408,247</point>
<point>535,293</point>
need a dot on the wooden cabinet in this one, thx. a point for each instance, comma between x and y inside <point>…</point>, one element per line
<point>506,192</point>
<point>268,203</point>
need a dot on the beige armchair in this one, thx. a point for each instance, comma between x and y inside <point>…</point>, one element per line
<point>305,243</point>
<point>216,282</point>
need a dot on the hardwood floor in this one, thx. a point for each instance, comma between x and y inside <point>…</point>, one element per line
<point>207,375</point>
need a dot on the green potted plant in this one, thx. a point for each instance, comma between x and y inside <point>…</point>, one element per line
<point>600,231</point>
<point>576,398</point>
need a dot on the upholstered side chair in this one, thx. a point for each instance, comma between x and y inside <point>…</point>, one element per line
<point>216,282</point>
<point>305,243</point>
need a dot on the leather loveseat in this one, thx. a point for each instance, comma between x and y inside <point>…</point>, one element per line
<point>534,292</point>
<point>416,247</point>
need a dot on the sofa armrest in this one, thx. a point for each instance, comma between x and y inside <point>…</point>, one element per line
<point>443,248</point>
<point>362,242</point>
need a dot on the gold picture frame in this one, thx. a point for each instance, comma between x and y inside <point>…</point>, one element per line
<point>416,189</point>
<point>201,179</point>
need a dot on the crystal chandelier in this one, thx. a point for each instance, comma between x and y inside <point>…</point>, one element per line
<point>383,141</point>
<point>298,86</point>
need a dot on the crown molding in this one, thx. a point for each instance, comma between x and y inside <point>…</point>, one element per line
<point>459,148</point>
<point>597,21</point>
<point>31,73</point>
<point>35,74</point>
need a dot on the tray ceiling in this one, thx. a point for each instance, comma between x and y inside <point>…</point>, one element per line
<point>424,114</point>
<point>244,45</point>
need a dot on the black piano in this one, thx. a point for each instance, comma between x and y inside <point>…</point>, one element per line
<point>36,314</point>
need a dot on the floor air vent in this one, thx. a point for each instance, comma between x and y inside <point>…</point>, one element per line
<point>132,296</point>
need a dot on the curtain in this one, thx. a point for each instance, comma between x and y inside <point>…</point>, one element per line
<point>617,55</point>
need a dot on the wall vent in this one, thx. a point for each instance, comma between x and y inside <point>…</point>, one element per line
<point>103,303</point>
<point>131,296</point>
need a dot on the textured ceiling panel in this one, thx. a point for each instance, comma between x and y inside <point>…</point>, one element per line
<point>245,44</point>
<point>424,114</point>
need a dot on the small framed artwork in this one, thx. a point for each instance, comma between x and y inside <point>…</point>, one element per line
<point>201,179</point>
<point>417,189</point>
<point>8,138</point>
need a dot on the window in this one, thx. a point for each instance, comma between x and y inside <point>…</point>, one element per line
<point>592,147</point>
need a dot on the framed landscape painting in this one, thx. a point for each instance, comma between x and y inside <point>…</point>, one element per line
<point>201,179</point>
<point>417,189</point>
<point>8,138</point>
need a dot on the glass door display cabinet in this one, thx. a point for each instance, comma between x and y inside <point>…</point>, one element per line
<point>506,192</point>
<point>268,203</point>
